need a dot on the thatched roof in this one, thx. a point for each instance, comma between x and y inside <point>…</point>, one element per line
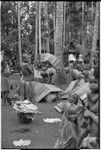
<point>52,59</point>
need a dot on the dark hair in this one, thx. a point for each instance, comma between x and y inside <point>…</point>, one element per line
<point>3,66</point>
<point>96,72</point>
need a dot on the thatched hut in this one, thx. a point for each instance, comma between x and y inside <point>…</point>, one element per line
<point>72,48</point>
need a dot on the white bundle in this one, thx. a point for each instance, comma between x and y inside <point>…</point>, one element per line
<point>22,142</point>
<point>51,120</point>
<point>25,107</point>
<point>88,140</point>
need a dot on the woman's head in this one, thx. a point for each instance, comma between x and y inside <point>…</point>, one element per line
<point>96,72</point>
<point>71,64</point>
<point>26,58</point>
<point>74,99</point>
<point>71,60</point>
<point>46,65</point>
<point>4,63</point>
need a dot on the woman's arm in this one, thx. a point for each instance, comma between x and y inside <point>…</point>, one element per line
<point>92,115</point>
<point>95,108</point>
<point>67,69</point>
<point>95,98</point>
<point>77,74</point>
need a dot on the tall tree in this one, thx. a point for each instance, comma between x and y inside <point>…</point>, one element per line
<point>58,33</point>
<point>92,9</point>
<point>39,28</point>
<point>54,21</point>
<point>0,26</point>
<point>83,29</point>
<point>19,32</point>
<point>95,33</point>
<point>61,76</point>
<point>64,22</point>
<point>36,33</point>
<point>46,40</point>
<point>67,25</point>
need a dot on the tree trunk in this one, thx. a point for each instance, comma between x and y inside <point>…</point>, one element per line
<point>48,29</point>
<point>58,33</point>
<point>0,25</point>
<point>19,33</point>
<point>36,35</point>
<point>64,22</point>
<point>54,22</point>
<point>67,26</point>
<point>7,31</point>
<point>83,29</point>
<point>95,33</point>
<point>46,14</point>
<point>44,46</point>
<point>92,11</point>
<point>39,28</point>
<point>60,76</point>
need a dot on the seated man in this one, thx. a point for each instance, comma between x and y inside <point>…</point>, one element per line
<point>91,140</point>
<point>93,97</point>
<point>69,128</point>
<point>92,113</point>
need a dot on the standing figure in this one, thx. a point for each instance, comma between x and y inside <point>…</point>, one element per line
<point>26,90</point>
<point>72,74</point>
<point>48,72</point>
<point>6,69</point>
<point>44,75</point>
<point>51,72</point>
<point>80,65</point>
<point>5,73</point>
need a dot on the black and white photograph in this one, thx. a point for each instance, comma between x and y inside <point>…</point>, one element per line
<point>50,74</point>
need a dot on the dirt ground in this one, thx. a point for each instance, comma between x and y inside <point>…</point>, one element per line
<point>41,134</point>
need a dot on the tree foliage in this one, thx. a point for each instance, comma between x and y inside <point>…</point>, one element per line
<point>9,25</point>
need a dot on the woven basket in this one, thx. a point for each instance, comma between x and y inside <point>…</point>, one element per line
<point>23,118</point>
